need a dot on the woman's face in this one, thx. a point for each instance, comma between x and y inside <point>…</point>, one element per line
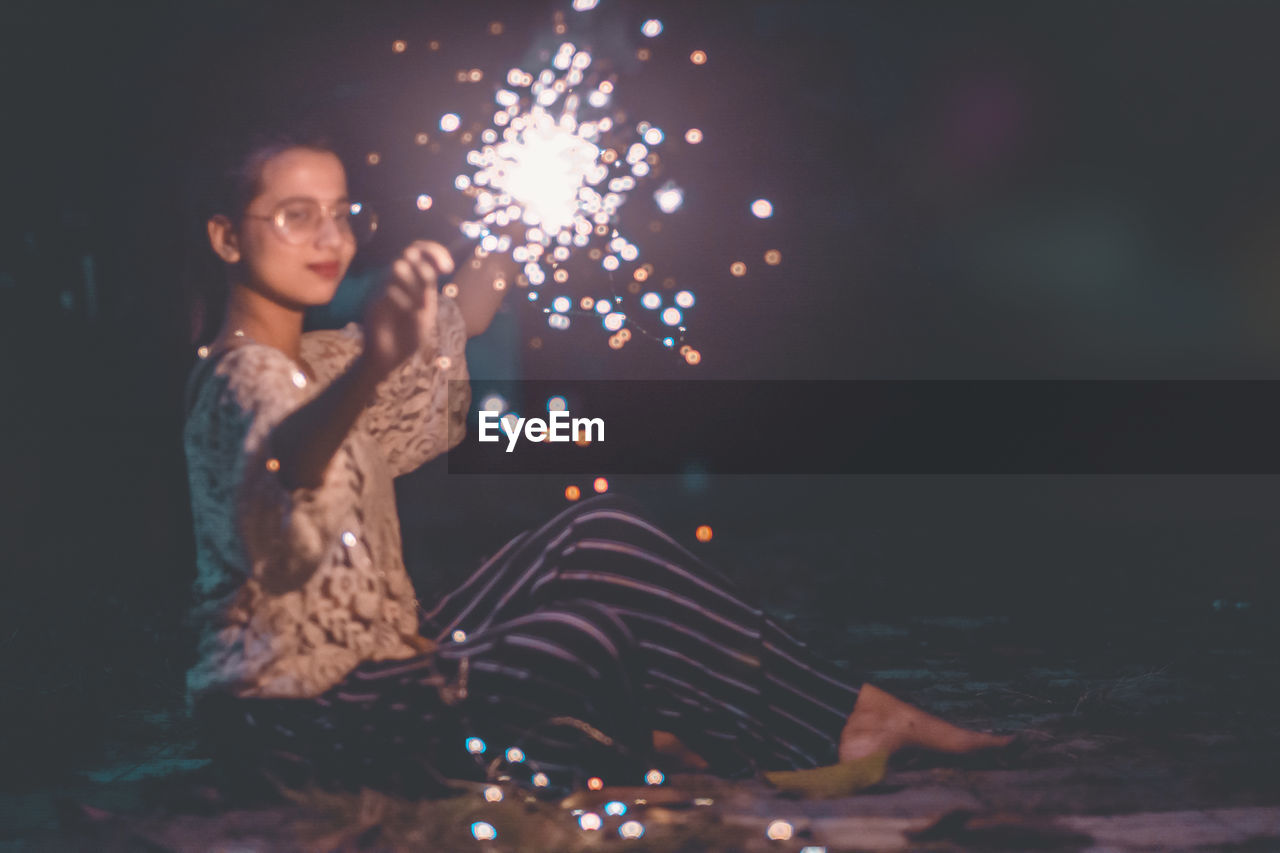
<point>297,274</point>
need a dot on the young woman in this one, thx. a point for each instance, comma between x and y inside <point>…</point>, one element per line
<point>595,645</point>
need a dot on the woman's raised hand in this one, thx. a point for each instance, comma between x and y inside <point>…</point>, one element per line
<point>401,318</point>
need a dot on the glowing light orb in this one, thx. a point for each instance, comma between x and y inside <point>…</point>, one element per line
<point>654,136</point>
<point>654,777</point>
<point>669,198</point>
<point>698,57</point>
<point>738,269</point>
<point>493,794</point>
<point>483,831</point>
<point>615,807</point>
<point>603,306</point>
<point>703,533</point>
<point>459,636</point>
<point>493,403</point>
<point>614,320</point>
<point>595,783</point>
<point>693,136</point>
<point>631,829</point>
<point>672,316</point>
<point>651,28</point>
<point>762,208</point>
<point>780,830</point>
<point>424,202</point>
<point>515,754</point>
<point>668,342</point>
<point>600,484</point>
<point>540,780</point>
<point>684,299</point>
<point>590,821</point>
<point>584,5</point>
<point>449,122</point>
<point>773,257</point>
<point>572,493</point>
<point>651,301</point>
<point>475,746</point>
<point>557,404</point>
<point>561,304</point>
<point>398,46</point>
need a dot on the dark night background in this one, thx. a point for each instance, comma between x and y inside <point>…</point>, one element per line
<point>976,190</point>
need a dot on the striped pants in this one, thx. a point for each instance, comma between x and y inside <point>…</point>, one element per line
<point>557,660</point>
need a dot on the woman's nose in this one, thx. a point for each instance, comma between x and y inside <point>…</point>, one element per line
<point>330,233</point>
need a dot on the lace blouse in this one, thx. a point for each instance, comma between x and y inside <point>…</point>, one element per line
<point>295,588</point>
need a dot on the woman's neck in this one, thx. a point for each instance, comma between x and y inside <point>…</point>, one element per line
<point>264,320</point>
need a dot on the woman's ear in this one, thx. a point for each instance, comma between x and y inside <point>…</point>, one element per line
<point>223,239</point>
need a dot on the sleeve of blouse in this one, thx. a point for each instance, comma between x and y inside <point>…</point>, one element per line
<point>419,411</point>
<point>286,533</point>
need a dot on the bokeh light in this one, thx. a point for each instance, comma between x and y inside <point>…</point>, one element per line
<point>483,831</point>
<point>703,533</point>
<point>762,208</point>
<point>600,484</point>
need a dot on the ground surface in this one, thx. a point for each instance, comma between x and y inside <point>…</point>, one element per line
<point>1157,734</point>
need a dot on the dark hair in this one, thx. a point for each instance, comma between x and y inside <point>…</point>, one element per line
<point>228,181</point>
<point>242,177</point>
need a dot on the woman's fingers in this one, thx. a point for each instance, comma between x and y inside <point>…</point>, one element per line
<point>436,254</point>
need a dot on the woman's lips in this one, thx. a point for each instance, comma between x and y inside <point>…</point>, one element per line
<point>330,269</point>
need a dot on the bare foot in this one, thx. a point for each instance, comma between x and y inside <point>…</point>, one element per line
<point>881,722</point>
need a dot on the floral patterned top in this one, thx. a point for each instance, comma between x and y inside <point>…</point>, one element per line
<point>295,588</point>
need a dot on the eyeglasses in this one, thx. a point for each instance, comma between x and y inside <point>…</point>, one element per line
<point>299,220</point>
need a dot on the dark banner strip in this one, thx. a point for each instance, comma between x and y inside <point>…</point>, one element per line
<point>867,427</point>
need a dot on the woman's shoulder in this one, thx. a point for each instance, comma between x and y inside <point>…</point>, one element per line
<point>246,370</point>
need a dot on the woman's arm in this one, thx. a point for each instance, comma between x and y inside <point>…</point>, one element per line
<point>305,441</point>
<point>477,297</point>
<point>399,322</point>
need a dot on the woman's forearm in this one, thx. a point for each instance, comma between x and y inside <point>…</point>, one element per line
<point>306,440</point>
<point>477,298</point>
